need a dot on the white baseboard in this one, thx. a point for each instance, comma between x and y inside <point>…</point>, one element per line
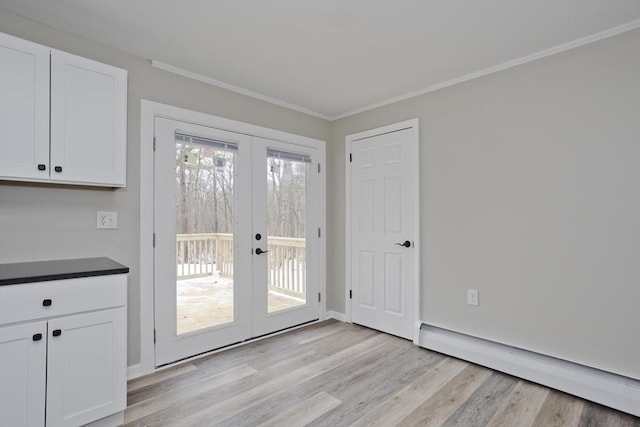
<point>608,389</point>
<point>110,421</point>
<point>330,314</point>
<point>134,371</point>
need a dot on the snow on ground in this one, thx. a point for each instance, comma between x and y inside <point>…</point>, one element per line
<point>208,301</point>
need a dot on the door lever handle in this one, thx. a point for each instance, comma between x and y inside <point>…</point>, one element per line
<point>406,244</point>
<point>260,251</point>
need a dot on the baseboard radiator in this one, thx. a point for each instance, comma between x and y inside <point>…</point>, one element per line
<point>599,386</point>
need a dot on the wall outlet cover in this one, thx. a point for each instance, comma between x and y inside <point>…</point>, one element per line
<point>472,296</point>
<point>107,220</point>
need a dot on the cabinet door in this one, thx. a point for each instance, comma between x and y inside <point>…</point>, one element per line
<point>24,109</point>
<point>86,367</point>
<point>88,121</point>
<point>23,355</point>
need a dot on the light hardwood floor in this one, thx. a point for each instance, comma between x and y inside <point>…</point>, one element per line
<point>338,374</point>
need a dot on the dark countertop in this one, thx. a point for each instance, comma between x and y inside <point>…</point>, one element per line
<point>42,271</point>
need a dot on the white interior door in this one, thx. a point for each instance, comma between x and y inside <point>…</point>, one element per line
<point>214,192</point>
<point>383,231</point>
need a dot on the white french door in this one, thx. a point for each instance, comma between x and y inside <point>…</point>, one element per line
<point>285,223</point>
<point>234,221</point>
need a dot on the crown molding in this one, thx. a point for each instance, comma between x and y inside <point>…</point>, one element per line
<point>237,89</point>
<point>632,25</point>
<point>505,65</point>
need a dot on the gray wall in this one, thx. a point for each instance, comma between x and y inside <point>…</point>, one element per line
<point>42,222</point>
<point>529,193</point>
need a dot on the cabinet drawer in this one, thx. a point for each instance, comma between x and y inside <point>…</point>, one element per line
<point>60,297</point>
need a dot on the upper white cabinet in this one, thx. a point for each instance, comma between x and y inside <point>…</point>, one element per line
<point>24,109</point>
<point>62,117</point>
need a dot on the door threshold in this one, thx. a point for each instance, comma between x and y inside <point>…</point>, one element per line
<point>230,346</point>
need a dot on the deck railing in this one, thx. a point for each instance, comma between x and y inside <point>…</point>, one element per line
<point>203,254</point>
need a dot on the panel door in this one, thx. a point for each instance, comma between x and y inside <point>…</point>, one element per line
<point>86,367</point>
<point>383,233</point>
<point>23,355</point>
<point>88,121</point>
<point>24,109</point>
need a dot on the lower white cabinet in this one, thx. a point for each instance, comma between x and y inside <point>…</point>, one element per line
<point>23,368</point>
<point>68,368</point>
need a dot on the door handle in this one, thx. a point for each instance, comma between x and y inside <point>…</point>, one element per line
<point>260,251</point>
<point>406,244</point>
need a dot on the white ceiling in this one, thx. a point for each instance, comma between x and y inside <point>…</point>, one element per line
<point>332,58</point>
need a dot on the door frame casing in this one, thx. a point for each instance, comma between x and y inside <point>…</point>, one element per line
<point>148,111</point>
<point>415,163</point>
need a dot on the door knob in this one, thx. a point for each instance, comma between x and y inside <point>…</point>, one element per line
<point>260,251</point>
<point>406,244</point>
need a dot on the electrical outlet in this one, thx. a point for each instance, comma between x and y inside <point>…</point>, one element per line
<point>472,296</point>
<point>107,220</point>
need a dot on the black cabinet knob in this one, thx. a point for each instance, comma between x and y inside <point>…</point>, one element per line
<point>37,337</point>
<point>42,167</point>
<point>47,302</point>
<point>56,332</point>
<point>58,168</point>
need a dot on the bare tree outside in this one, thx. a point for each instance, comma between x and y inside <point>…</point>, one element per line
<point>204,189</point>
<point>286,198</point>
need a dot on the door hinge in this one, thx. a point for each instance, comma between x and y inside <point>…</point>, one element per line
<point>319,297</point>
<point>154,240</point>
<point>319,233</point>
<point>154,143</point>
<point>318,167</point>
<point>350,294</point>
<point>154,336</point>
<point>350,157</point>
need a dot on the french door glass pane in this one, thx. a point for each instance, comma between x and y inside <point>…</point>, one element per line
<point>286,230</point>
<point>204,234</point>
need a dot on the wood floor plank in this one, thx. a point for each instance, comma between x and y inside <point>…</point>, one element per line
<point>436,409</point>
<point>594,415</point>
<point>521,407</point>
<point>305,412</point>
<point>336,374</point>
<point>255,414</point>
<point>235,404</point>
<point>315,337</point>
<point>148,380</point>
<point>221,392</point>
<point>341,340</point>
<point>478,409</point>
<point>329,380</point>
<point>411,396</point>
<point>559,410</point>
<point>364,385</point>
<point>150,406</point>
